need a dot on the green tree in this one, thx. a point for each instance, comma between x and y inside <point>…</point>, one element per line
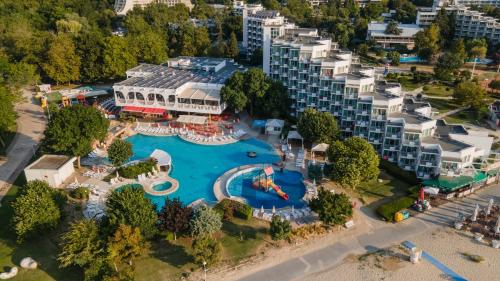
<point>119,152</point>
<point>83,246</point>
<point>232,92</point>
<point>63,64</point>
<point>458,49</point>
<point>298,11</point>
<point>332,208</point>
<point>363,49</point>
<point>129,206</point>
<point>149,47</point>
<point>125,245</point>
<point>427,42</point>
<point>232,47</point>
<point>174,216</point>
<point>257,57</point>
<point>35,212</point>
<point>117,57</point>
<point>394,57</point>
<point>447,65</point>
<point>255,85</point>
<point>353,161</point>
<point>316,126</point>
<point>206,250</point>
<point>276,102</point>
<point>90,46</point>
<point>446,24</point>
<point>72,130</point>
<point>470,94</point>
<point>393,28</point>
<point>271,4</point>
<point>7,113</point>
<point>280,228</point>
<point>206,221</point>
<point>373,10</point>
<point>406,12</point>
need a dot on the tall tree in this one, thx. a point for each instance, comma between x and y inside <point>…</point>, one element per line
<point>332,208</point>
<point>7,113</point>
<point>316,126</point>
<point>406,12</point>
<point>63,64</point>
<point>129,206</point>
<point>149,46</point>
<point>393,28</point>
<point>206,221</point>
<point>117,57</point>
<point>90,46</point>
<point>470,94</point>
<point>280,228</point>
<point>353,161</point>
<point>206,250</point>
<point>427,42</point>
<point>446,24</point>
<point>447,65</point>
<point>125,245</point>
<point>232,47</point>
<point>174,216</point>
<point>119,152</point>
<point>72,130</point>
<point>255,85</point>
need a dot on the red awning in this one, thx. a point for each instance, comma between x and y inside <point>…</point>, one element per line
<point>146,110</point>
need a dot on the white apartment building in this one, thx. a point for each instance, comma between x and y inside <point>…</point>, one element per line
<point>260,27</point>
<point>123,6</point>
<point>187,84</point>
<point>401,129</point>
<point>468,23</point>
<point>376,32</point>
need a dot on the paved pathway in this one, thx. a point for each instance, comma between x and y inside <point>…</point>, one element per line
<point>451,112</point>
<point>383,235</point>
<point>30,126</point>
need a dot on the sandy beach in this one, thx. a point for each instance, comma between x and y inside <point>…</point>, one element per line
<point>445,244</point>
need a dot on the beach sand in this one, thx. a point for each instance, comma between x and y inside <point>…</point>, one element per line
<point>445,244</point>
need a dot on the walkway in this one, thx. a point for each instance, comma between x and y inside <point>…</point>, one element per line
<point>382,235</point>
<point>451,112</point>
<point>221,182</point>
<point>30,127</point>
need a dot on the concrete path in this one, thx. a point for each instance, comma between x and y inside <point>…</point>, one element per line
<point>451,112</point>
<point>30,127</point>
<point>381,236</point>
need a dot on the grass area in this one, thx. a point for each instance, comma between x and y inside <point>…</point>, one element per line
<point>54,97</point>
<point>388,187</point>
<point>408,84</point>
<point>7,137</point>
<point>466,116</point>
<point>438,90</point>
<point>167,260</point>
<point>442,105</point>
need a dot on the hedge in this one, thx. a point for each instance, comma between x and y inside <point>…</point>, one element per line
<point>398,173</point>
<point>388,210</point>
<point>80,193</point>
<point>230,208</point>
<point>132,171</point>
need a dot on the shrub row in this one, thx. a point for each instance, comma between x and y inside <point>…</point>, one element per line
<point>230,208</point>
<point>388,210</point>
<point>398,173</point>
<point>132,171</point>
<point>80,193</point>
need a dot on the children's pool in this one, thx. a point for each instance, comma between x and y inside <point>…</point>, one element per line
<point>196,167</point>
<point>290,182</point>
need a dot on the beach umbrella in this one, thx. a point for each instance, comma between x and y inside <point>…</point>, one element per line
<point>497,225</point>
<point>262,209</point>
<point>421,194</point>
<point>490,205</point>
<point>293,209</point>
<point>76,180</point>
<point>274,210</point>
<point>476,212</point>
<point>117,175</point>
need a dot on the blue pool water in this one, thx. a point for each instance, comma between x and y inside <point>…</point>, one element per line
<point>196,167</point>
<point>289,181</point>
<point>410,59</point>
<point>162,186</point>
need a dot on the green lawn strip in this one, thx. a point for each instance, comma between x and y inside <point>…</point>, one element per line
<point>465,116</point>
<point>442,105</point>
<point>408,84</point>
<point>438,90</point>
<point>253,231</point>
<point>389,187</point>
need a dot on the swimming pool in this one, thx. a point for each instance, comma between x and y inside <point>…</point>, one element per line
<point>407,59</point>
<point>290,182</point>
<point>196,167</point>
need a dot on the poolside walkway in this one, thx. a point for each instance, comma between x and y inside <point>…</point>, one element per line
<point>220,184</point>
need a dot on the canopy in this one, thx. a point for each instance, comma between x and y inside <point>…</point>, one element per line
<point>141,109</point>
<point>448,184</point>
<point>192,119</point>
<point>268,170</point>
<point>431,190</point>
<point>162,157</point>
<point>294,135</point>
<point>278,123</point>
<point>320,147</point>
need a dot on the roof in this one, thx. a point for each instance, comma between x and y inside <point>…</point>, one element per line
<point>50,162</point>
<point>275,123</point>
<point>443,129</point>
<point>321,147</point>
<point>407,30</point>
<point>448,184</point>
<point>268,170</point>
<point>446,144</point>
<point>162,157</point>
<point>294,135</point>
<point>193,119</point>
<point>200,94</point>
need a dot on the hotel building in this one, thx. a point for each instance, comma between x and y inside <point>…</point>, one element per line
<point>123,6</point>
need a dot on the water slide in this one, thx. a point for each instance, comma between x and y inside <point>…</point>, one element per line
<point>279,191</point>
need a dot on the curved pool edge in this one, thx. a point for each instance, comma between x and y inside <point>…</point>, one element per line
<point>221,183</point>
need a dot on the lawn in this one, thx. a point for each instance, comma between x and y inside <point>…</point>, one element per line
<point>442,105</point>
<point>167,259</point>
<point>466,116</point>
<point>438,90</point>
<point>389,187</point>
<point>408,84</point>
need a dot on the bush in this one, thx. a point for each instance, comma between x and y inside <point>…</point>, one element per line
<point>398,173</point>
<point>280,229</point>
<point>388,210</point>
<point>314,172</point>
<point>230,208</point>
<point>132,171</point>
<point>426,88</point>
<point>80,193</point>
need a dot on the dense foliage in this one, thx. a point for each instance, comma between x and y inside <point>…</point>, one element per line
<point>80,193</point>
<point>388,210</point>
<point>317,127</point>
<point>332,208</point>
<point>132,171</point>
<point>37,209</point>
<point>231,208</point>
<point>119,152</point>
<point>206,250</point>
<point>353,161</point>
<point>129,206</point>
<point>206,221</point>
<point>471,94</point>
<point>124,246</point>
<point>280,228</point>
<point>72,130</point>
<point>174,216</point>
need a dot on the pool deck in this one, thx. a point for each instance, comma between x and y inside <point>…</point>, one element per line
<point>161,178</point>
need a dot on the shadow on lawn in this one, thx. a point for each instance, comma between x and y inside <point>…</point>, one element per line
<point>171,253</point>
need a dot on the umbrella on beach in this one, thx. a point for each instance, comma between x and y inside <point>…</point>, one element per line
<point>490,205</point>
<point>117,175</point>
<point>476,212</point>
<point>293,209</point>
<point>76,180</point>
<point>274,210</point>
<point>262,209</point>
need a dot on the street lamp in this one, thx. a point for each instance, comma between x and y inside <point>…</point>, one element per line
<point>205,269</point>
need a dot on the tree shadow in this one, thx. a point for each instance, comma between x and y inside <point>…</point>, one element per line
<point>248,232</point>
<point>171,253</point>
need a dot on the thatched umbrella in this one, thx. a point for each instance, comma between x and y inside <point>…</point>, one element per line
<point>476,212</point>
<point>490,205</point>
